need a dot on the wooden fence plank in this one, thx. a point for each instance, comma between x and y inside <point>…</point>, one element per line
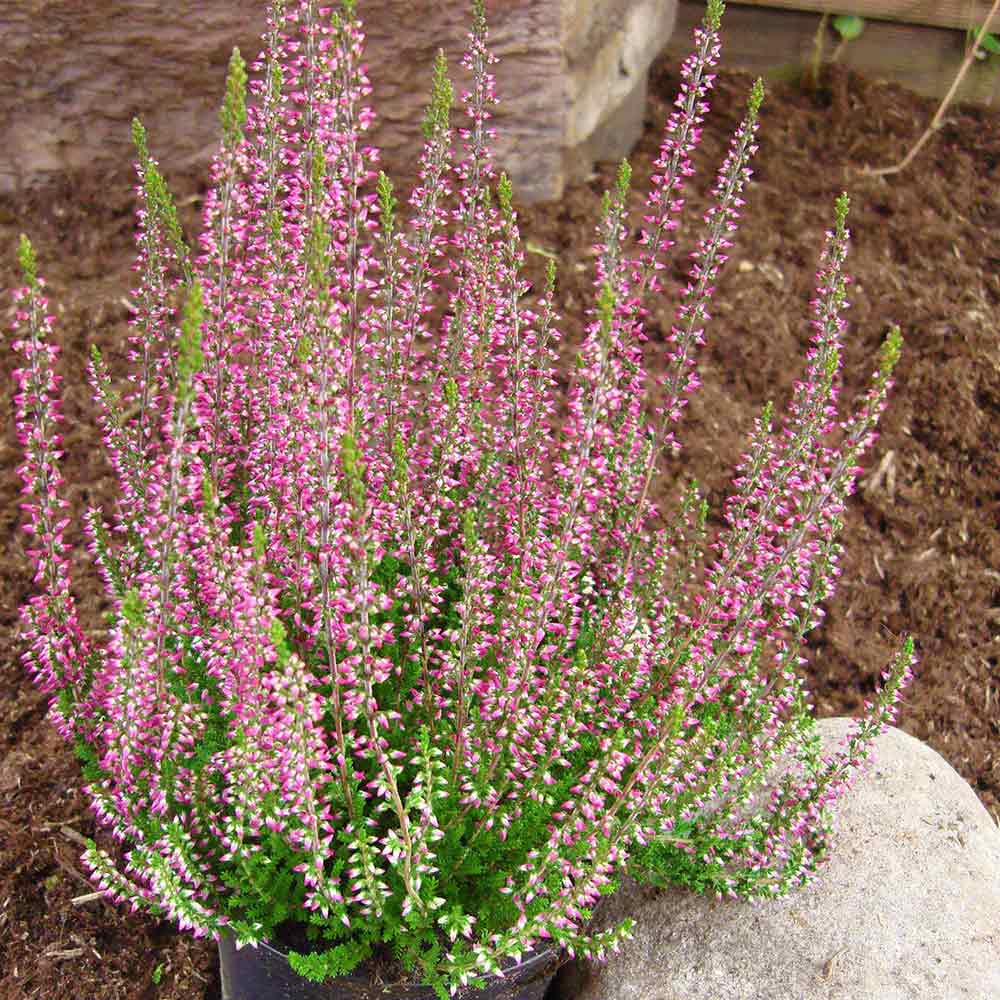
<point>938,13</point>
<point>779,43</point>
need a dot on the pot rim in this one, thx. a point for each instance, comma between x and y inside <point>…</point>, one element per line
<point>535,956</point>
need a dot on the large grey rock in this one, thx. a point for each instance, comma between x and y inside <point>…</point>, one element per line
<point>908,907</point>
<point>572,78</point>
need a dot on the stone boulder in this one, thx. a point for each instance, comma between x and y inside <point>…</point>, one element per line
<point>907,907</point>
<point>572,78</point>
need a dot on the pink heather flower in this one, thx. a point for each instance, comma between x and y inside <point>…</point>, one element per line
<point>390,617</point>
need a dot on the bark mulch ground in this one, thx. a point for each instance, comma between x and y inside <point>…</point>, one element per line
<point>922,533</point>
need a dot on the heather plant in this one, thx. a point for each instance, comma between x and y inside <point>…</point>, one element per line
<point>401,651</point>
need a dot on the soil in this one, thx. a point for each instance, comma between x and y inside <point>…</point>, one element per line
<point>922,535</point>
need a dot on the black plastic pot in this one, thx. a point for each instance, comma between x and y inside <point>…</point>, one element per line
<point>263,973</point>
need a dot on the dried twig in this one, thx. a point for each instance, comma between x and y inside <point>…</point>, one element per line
<point>62,952</point>
<point>87,897</point>
<point>935,124</point>
<point>72,835</point>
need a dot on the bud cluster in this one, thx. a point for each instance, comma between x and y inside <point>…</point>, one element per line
<point>401,647</point>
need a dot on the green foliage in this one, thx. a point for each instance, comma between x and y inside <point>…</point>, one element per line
<point>848,26</point>
<point>29,264</point>
<point>623,180</point>
<point>713,14</point>
<point>133,609</point>
<point>680,858</point>
<point>436,118</point>
<point>989,44</point>
<point>606,308</point>
<point>479,18</point>
<point>891,350</point>
<point>387,203</point>
<point>841,208</point>
<point>265,891</point>
<point>87,757</point>
<point>505,196</point>
<point>234,105</point>
<point>190,358</point>
<point>350,456</point>
<point>678,861</point>
<point>160,207</point>
<point>336,961</point>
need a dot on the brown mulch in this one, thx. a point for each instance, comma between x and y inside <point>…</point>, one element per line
<point>922,535</point>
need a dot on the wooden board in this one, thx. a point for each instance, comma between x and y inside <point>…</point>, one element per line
<point>939,13</point>
<point>778,43</point>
